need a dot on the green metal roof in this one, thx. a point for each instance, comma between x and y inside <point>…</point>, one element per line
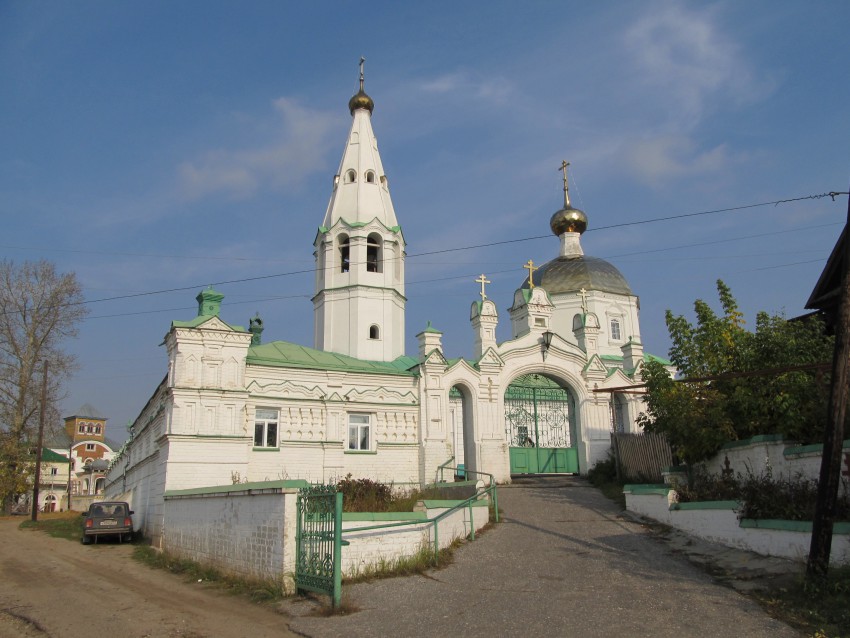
<point>282,354</point>
<point>201,319</point>
<point>646,357</point>
<point>49,456</point>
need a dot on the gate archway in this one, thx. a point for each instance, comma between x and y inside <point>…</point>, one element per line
<point>461,430</point>
<point>540,422</point>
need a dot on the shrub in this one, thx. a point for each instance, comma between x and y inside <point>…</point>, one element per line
<point>763,496</point>
<point>364,495</point>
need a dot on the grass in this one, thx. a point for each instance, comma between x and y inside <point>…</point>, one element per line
<point>258,590</point>
<point>419,563</point>
<point>67,525</point>
<point>822,611</point>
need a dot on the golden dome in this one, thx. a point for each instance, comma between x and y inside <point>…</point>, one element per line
<point>360,101</point>
<point>568,220</point>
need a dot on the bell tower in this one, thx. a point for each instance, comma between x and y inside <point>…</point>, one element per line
<point>358,308</point>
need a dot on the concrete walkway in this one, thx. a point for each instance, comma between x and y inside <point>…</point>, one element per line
<point>562,563</point>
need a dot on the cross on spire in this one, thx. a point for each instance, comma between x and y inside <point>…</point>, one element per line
<point>583,294</point>
<point>563,167</point>
<point>483,280</point>
<point>530,267</point>
<point>362,76</point>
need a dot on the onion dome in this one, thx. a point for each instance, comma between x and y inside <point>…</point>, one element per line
<point>568,219</point>
<point>571,274</point>
<point>360,100</point>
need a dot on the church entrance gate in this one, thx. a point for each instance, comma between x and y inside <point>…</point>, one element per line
<point>539,421</point>
<point>318,541</point>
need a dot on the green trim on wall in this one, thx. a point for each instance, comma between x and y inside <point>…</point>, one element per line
<point>258,486</point>
<point>436,504</point>
<point>226,437</point>
<point>810,449</point>
<point>639,489</point>
<point>392,444</point>
<point>754,440</point>
<point>790,526</point>
<point>707,505</point>
<point>382,516</point>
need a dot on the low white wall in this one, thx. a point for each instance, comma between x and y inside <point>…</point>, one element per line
<point>785,459</point>
<point>718,522</point>
<point>249,532</point>
<point>371,547</point>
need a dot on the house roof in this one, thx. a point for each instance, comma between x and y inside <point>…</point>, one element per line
<point>87,411</point>
<point>825,294</point>
<point>283,354</point>
<point>49,456</point>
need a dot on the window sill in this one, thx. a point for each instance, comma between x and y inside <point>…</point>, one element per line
<point>360,451</point>
<point>265,449</point>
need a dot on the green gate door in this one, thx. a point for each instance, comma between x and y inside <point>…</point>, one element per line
<point>538,417</point>
<point>318,541</point>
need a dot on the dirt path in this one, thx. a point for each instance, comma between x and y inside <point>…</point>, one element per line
<point>57,588</point>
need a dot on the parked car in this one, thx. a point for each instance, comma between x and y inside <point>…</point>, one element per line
<point>108,518</point>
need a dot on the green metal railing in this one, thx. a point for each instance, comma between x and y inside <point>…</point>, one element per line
<point>434,521</point>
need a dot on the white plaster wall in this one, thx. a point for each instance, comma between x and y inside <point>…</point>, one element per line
<point>251,535</point>
<point>722,526</point>
<point>371,547</point>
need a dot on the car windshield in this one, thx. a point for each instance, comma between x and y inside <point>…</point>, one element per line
<point>108,509</point>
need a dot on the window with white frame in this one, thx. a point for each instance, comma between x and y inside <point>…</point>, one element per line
<point>615,330</point>
<point>359,432</point>
<point>89,447</point>
<point>54,471</point>
<point>265,428</point>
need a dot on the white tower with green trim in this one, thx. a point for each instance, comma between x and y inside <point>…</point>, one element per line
<point>359,302</point>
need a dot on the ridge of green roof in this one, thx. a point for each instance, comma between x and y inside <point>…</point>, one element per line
<point>201,319</point>
<point>283,354</point>
<point>646,357</point>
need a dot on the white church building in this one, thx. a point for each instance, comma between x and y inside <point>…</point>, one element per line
<point>234,409</point>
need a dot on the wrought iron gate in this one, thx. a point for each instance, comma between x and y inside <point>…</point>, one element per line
<point>319,541</point>
<point>538,418</point>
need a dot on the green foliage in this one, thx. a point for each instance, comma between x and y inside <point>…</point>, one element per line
<point>762,496</point>
<point>697,417</point>
<point>366,495</point>
<point>821,610</point>
<point>67,525</point>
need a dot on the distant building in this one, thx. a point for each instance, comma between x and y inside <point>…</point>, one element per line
<point>233,409</point>
<point>84,441</point>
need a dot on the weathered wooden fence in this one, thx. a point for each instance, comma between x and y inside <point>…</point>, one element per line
<point>641,456</point>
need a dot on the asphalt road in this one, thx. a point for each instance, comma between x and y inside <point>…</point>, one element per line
<point>563,563</point>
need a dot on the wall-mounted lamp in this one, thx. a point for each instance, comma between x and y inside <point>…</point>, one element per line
<point>547,341</point>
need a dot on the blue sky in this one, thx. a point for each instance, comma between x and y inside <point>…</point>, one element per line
<point>161,145</point>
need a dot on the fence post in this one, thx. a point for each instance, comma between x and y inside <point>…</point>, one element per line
<point>337,595</point>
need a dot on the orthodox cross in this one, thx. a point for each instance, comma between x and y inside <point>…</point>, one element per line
<point>530,267</point>
<point>483,280</point>
<point>563,167</point>
<point>362,61</point>
<point>583,294</point>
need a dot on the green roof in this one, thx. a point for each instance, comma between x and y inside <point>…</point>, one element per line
<point>201,319</point>
<point>49,456</point>
<point>282,354</point>
<point>646,357</point>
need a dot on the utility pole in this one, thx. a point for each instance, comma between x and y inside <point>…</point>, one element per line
<point>833,439</point>
<point>37,477</point>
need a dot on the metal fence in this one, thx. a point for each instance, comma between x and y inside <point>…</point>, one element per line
<point>641,457</point>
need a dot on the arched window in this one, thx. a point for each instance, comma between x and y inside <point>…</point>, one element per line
<point>344,253</point>
<point>350,176</point>
<point>370,177</point>
<point>373,253</point>
<point>374,332</point>
<point>615,330</point>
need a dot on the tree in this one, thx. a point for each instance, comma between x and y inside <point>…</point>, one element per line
<point>39,309</point>
<point>736,383</point>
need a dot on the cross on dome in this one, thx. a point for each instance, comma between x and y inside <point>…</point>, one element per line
<point>564,165</point>
<point>530,267</point>
<point>483,280</point>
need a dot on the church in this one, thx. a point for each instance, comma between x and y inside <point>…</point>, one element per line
<point>233,408</point>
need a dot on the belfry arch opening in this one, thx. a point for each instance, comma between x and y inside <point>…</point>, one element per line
<point>373,253</point>
<point>461,430</point>
<point>541,426</point>
<point>344,254</point>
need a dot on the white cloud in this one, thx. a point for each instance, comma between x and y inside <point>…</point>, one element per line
<point>287,159</point>
<point>462,85</point>
<point>686,56</point>
<point>668,157</point>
